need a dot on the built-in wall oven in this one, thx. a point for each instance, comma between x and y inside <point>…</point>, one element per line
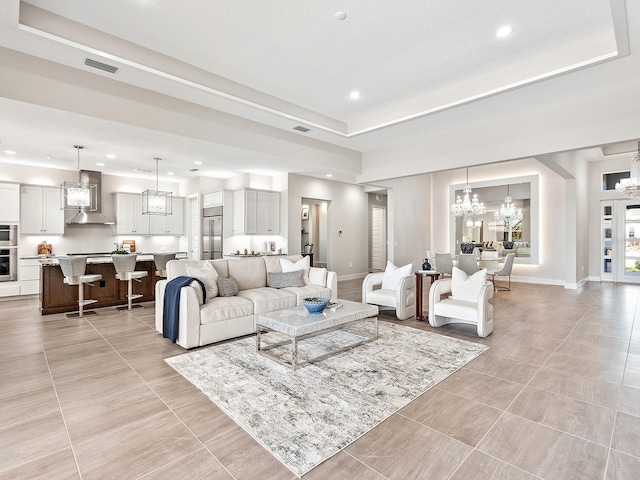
<point>8,253</point>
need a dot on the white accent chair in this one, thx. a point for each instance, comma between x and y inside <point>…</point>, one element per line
<point>443,311</point>
<point>73,269</point>
<point>489,260</point>
<point>125,266</point>
<point>505,271</point>
<point>403,298</point>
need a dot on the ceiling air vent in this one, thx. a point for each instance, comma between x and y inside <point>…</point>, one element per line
<point>100,66</point>
<point>194,170</point>
<point>302,129</point>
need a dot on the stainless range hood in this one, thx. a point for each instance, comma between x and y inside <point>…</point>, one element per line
<point>84,216</point>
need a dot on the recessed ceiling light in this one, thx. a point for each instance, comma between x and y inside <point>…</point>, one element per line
<point>504,31</point>
<point>169,173</point>
<point>340,15</point>
<point>197,162</point>
<point>10,152</point>
<point>329,175</point>
<point>355,95</point>
<point>100,164</point>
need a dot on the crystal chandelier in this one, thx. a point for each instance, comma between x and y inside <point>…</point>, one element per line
<point>467,206</point>
<point>630,187</point>
<point>156,202</point>
<point>497,226</point>
<point>76,195</point>
<point>508,214</point>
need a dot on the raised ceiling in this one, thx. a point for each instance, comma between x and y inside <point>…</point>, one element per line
<point>288,63</point>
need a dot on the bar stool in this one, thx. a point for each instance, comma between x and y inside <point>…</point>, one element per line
<point>125,266</point>
<point>160,260</point>
<point>73,269</point>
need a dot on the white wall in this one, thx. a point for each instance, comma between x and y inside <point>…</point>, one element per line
<point>346,213</point>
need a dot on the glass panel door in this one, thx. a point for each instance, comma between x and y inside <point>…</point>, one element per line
<point>632,243</point>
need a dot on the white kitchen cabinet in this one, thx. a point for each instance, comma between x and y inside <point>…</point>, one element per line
<point>129,217</point>
<point>213,199</point>
<point>256,212</point>
<point>269,213</point>
<point>29,276</point>
<point>10,201</point>
<point>169,224</point>
<point>40,212</point>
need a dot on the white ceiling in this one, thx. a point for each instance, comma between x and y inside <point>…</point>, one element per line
<point>287,63</point>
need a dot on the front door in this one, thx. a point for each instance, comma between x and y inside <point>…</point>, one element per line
<point>628,266</point>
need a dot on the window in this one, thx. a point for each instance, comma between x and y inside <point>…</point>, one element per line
<point>609,180</point>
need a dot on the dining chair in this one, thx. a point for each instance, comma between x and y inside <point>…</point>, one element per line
<point>505,271</point>
<point>443,263</point>
<point>468,263</point>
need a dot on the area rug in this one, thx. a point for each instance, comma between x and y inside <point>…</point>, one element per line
<point>306,416</point>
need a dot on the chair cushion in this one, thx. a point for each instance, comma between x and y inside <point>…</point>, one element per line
<point>387,298</point>
<point>227,286</point>
<point>459,309</point>
<point>393,275</point>
<point>204,272</point>
<point>467,287</point>
<point>302,264</point>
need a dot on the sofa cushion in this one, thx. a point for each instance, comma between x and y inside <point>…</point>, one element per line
<point>227,287</point>
<point>393,275</point>
<point>308,291</point>
<point>267,299</point>
<point>285,279</point>
<point>248,272</point>
<point>204,272</point>
<point>302,264</point>
<point>467,287</point>
<point>225,308</point>
<point>221,266</point>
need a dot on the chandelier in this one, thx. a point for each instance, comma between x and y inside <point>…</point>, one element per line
<point>508,213</point>
<point>630,187</point>
<point>467,206</point>
<point>156,202</point>
<point>497,226</point>
<point>77,195</point>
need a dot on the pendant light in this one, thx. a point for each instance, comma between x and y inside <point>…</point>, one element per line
<point>467,206</point>
<point>156,202</point>
<point>77,195</point>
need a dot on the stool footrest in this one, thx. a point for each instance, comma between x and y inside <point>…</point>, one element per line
<point>87,302</point>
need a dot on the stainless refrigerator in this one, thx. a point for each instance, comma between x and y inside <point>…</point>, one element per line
<point>211,233</point>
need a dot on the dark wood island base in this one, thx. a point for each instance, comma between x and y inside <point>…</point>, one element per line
<point>58,297</point>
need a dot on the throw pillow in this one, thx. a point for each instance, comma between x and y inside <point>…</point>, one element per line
<point>205,272</point>
<point>287,279</point>
<point>467,287</point>
<point>393,275</point>
<point>227,287</point>
<point>302,264</point>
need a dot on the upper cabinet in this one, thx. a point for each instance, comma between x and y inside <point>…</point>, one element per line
<point>169,224</point>
<point>213,199</point>
<point>129,217</point>
<point>256,212</point>
<point>131,221</point>
<point>40,212</point>
<point>10,201</point>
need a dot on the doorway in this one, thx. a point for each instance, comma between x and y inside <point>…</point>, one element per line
<point>378,238</point>
<point>314,222</point>
<point>193,238</point>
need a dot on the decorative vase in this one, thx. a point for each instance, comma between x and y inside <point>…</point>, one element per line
<point>426,265</point>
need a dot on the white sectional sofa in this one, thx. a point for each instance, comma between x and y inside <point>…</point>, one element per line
<point>222,318</point>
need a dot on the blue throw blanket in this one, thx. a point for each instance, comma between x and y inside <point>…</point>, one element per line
<point>171,307</point>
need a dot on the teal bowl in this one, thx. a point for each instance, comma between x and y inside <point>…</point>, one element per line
<point>315,304</point>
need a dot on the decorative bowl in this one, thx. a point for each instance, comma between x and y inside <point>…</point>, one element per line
<point>315,304</point>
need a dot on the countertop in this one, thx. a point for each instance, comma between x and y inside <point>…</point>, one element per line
<point>95,257</point>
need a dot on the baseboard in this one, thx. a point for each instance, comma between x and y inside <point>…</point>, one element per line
<point>353,276</point>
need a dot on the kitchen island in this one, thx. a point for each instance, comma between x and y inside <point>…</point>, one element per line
<point>57,297</point>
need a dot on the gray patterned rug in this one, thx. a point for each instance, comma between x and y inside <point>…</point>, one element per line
<point>306,416</point>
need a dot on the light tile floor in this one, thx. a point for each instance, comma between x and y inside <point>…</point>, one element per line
<point>557,396</point>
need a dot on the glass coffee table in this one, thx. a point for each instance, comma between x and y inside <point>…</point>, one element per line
<point>296,324</point>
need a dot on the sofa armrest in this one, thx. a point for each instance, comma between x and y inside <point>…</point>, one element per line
<point>332,284</point>
<point>370,281</point>
<point>189,317</point>
<point>160,287</point>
